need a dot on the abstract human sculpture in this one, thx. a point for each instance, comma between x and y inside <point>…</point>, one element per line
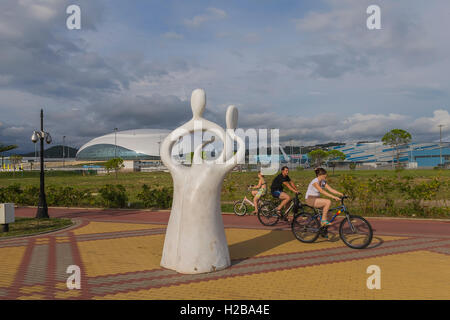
<point>195,239</point>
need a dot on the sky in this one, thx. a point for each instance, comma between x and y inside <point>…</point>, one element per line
<point>310,68</point>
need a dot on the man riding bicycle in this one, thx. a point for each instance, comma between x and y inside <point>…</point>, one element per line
<point>277,188</point>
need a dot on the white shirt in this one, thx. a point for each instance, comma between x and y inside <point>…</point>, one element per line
<point>312,191</point>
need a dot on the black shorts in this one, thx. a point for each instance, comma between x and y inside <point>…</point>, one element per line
<point>276,193</point>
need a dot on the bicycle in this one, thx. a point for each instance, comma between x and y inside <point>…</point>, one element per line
<point>268,215</point>
<point>240,206</point>
<point>353,229</point>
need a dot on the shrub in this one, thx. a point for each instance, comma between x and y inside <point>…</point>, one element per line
<point>30,196</point>
<point>156,197</point>
<point>11,193</point>
<point>113,196</point>
<point>67,196</point>
<point>417,192</point>
<point>349,185</point>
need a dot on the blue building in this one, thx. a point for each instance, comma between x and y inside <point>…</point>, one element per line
<point>431,158</point>
<point>425,154</point>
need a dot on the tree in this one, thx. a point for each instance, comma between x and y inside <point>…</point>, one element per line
<point>4,148</point>
<point>15,160</point>
<point>396,138</point>
<point>318,156</point>
<point>114,164</point>
<point>334,156</point>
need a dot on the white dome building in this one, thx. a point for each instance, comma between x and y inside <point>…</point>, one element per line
<point>139,144</point>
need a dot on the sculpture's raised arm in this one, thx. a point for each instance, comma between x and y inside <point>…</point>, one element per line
<point>166,149</point>
<point>238,158</point>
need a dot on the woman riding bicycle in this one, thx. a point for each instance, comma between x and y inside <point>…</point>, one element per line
<point>257,194</point>
<point>315,188</point>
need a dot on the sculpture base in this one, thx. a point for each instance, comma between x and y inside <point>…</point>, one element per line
<point>212,269</point>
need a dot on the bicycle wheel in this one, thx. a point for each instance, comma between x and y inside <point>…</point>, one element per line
<point>356,232</point>
<point>240,208</point>
<point>267,214</point>
<point>305,227</point>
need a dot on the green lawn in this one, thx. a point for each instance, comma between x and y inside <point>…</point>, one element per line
<point>29,226</point>
<point>234,186</point>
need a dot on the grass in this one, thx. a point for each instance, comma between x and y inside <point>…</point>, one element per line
<point>30,226</point>
<point>234,186</point>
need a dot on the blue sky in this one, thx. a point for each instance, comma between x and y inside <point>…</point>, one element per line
<point>310,68</point>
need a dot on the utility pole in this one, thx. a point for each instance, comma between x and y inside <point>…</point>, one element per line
<point>440,143</point>
<point>115,143</point>
<point>64,153</point>
<point>291,152</point>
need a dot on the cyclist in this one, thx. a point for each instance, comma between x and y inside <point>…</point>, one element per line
<point>315,188</point>
<point>262,190</point>
<point>277,188</point>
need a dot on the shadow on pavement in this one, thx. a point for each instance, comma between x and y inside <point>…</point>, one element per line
<point>252,247</point>
<point>376,242</point>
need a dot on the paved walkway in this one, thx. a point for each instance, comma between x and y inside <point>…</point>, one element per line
<point>119,252</point>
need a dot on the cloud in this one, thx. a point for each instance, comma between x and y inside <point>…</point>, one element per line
<point>173,35</point>
<point>319,78</point>
<point>343,44</point>
<point>211,14</point>
<point>40,56</point>
<point>430,125</point>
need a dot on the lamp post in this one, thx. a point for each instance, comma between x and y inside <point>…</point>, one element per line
<point>42,211</point>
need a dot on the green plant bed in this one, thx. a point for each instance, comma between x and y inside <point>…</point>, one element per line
<point>227,207</point>
<point>30,226</point>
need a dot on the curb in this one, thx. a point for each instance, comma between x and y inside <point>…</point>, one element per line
<point>102,209</point>
<point>75,223</point>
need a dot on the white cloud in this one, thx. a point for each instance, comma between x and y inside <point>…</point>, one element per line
<point>211,14</point>
<point>430,124</point>
<point>173,35</point>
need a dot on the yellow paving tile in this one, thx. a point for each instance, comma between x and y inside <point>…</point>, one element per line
<point>102,227</point>
<point>413,275</point>
<point>10,259</point>
<point>102,257</point>
<point>245,243</point>
<point>67,294</point>
<point>32,289</point>
<point>32,297</point>
<point>61,286</point>
<point>110,256</point>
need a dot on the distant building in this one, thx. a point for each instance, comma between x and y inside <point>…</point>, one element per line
<point>425,154</point>
<point>139,144</point>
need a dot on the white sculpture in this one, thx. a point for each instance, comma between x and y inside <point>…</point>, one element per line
<point>195,239</point>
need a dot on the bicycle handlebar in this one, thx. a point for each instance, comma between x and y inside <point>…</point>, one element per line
<point>343,198</point>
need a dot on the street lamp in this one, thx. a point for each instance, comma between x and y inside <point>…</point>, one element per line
<point>42,211</point>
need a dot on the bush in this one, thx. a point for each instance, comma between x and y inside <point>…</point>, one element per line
<point>67,196</point>
<point>156,198</point>
<point>417,192</point>
<point>30,196</point>
<point>113,196</point>
<point>11,193</point>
